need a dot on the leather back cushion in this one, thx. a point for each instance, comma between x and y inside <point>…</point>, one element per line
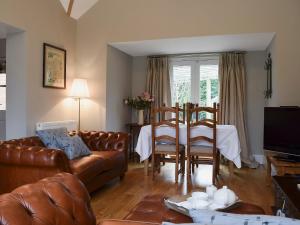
<point>29,141</point>
<point>101,140</point>
<point>58,200</point>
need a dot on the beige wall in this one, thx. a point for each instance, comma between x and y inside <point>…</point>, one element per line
<point>119,70</point>
<point>256,83</point>
<point>139,75</point>
<point>16,89</point>
<point>132,20</point>
<point>42,21</point>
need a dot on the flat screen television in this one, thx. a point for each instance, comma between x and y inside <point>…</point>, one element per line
<point>282,130</point>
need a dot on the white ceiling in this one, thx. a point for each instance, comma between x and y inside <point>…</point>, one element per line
<point>203,44</point>
<point>79,7</point>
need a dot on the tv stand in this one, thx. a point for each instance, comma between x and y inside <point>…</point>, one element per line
<point>288,158</point>
<point>282,167</point>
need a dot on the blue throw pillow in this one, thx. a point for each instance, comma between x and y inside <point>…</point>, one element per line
<point>48,136</point>
<point>73,147</point>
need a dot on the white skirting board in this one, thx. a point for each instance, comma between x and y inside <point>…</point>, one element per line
<point>69,124</point>
<point>261,159</point>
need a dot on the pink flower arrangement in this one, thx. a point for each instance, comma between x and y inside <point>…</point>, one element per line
<point>142,101</point>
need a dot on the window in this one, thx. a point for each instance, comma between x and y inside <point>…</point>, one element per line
<point>195,79</point>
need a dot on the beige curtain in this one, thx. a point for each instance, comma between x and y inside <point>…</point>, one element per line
<point>233,99</point>
<point>158,80</point>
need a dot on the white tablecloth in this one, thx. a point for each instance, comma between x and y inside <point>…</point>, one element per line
<point>227,140</point>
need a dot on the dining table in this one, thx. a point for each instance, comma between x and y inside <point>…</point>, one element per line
<point>227,141</point>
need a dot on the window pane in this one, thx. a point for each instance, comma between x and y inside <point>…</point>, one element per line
<point>209,85</point>
<point>181,85</point>
<point>2,79</point>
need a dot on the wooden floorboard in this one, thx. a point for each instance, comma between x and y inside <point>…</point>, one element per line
<point>117,198</point>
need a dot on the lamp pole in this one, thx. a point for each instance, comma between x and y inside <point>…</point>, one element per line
<point>78,114</point>
<point>79,90</point>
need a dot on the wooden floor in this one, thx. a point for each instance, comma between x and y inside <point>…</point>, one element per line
<point>117,198</point>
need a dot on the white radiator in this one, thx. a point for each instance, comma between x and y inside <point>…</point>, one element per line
<point>69,124</point>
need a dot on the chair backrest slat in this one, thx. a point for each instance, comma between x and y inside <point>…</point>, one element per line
<point>203,109</point>
<point>165,109</point>
<point>203,123</point>
<point>166,123</point>
<point>164,138</point>
<point>201,138</point>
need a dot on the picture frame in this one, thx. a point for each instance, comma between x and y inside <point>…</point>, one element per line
<point>54,67</point>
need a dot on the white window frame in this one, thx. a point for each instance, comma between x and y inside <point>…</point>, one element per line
<point>195,62</point>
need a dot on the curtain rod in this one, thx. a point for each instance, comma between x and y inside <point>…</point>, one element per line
<point>196,54</point>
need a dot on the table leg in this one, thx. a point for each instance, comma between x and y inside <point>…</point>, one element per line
<point>132,150</point>
<point>146,167</point>
<point>130,142</point>
<point>269,169</point>
<point>231,167</point>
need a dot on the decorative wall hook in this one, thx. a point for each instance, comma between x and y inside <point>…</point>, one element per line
<point>268,68</point>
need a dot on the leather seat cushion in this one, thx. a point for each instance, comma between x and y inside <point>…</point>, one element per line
<point>168,148</point>
<point>112,158</point>
<point>86,168</point>
<point>201,149</point>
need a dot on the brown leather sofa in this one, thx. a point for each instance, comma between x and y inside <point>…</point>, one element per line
<point>27,160</point>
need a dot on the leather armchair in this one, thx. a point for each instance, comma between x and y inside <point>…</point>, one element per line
<point>58,200</point>
<point>27,160</point>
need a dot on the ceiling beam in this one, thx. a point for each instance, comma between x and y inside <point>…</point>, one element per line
<point>70,7</point>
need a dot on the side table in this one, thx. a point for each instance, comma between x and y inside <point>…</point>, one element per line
<point>282,167</point>
<point>134,130</point>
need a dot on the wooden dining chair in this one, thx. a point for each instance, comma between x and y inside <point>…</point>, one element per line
<point>166,148</point>
<point>202,154</point>
<point>182,114</point>
<point>197,117</point>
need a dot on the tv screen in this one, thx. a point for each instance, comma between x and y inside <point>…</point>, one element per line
<point>282,130</point>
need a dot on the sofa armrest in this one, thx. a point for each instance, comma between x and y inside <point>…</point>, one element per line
<point>35,156</point>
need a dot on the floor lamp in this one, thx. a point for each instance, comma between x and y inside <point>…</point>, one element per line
<point>79,90</point>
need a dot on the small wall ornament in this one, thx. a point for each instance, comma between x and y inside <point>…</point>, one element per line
<point>268,68</point>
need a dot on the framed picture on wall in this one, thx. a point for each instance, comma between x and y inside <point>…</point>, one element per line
<point>54,67</point>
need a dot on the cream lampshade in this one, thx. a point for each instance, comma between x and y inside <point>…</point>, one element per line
<point>79,90</point>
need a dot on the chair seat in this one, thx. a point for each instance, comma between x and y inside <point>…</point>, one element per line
<point>168,148</point>
<point>201,149</point>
